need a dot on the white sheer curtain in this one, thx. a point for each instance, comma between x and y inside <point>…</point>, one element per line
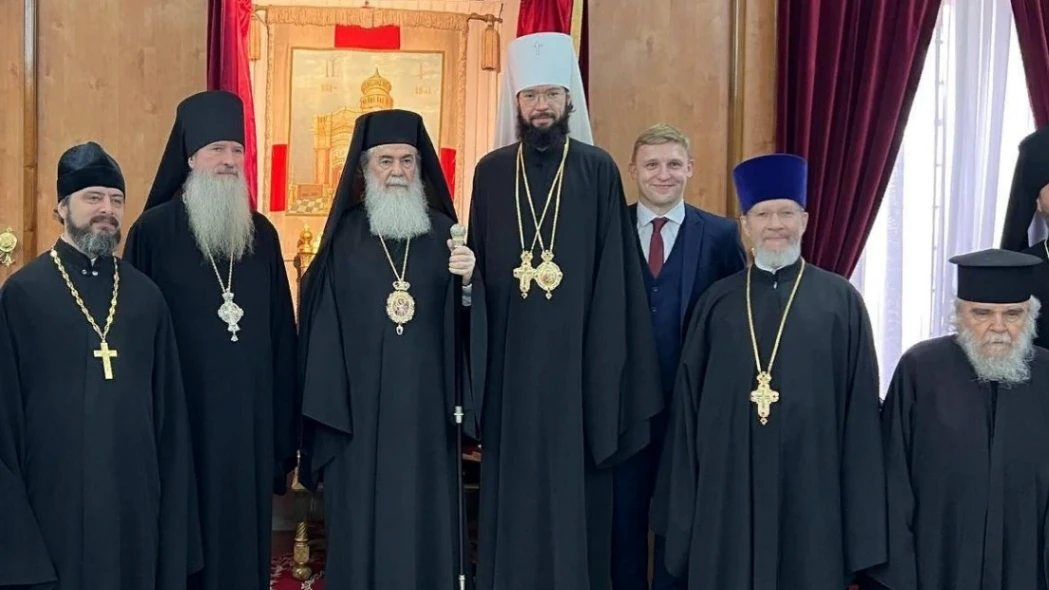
<point>950,184</point>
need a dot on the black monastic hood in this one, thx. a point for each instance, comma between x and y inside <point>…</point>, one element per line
<point>370,130</point>
<point>383,128</point>
<point>201,119</point>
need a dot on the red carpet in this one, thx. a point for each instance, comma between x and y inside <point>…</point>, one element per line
<point>281,568</point>
<point>281,578</point>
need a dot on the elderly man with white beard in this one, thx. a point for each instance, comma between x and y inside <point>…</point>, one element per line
<point>966,452</point>
<point>220,268</point>
<point>381,303</point>
<point>772,474</point>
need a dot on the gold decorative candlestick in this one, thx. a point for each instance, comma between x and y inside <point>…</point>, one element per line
<point>301,554</point>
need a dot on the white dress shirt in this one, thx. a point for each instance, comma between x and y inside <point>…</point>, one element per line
<point>675,217</point>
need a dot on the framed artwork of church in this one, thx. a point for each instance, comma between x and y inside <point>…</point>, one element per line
<point>329,89</point>
<point>327,66</point>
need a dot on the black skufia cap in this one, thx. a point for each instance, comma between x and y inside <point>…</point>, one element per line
<point>995,276</point>
<point>84,165</point>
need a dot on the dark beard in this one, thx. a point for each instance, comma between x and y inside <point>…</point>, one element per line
<point>92,243</point>
<point>541,139</point>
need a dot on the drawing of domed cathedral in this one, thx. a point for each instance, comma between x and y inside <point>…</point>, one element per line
<point>332,133</point>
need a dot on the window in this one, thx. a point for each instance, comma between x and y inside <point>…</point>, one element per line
<point>950,184</point>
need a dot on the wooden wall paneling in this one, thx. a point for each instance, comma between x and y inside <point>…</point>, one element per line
<point>13,93</point>
<point>113,71</point>
<point>701,65</point>
<point>663,62</point>
<point>30,124</point>
<point>756,98</point>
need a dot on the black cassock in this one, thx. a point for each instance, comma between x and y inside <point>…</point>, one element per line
<point>797,503</point>
<point>1040,289</point>
<point>241,395</point>
<point>96,475</point>
<point>378,410</point>
<point>572,381</point>
<point>968,475</point>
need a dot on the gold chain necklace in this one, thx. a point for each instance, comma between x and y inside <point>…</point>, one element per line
<point>400,305</point>
<point>548,274</point>
<point>764,396</point>
<point>103,353</point>
<point>229,312</point>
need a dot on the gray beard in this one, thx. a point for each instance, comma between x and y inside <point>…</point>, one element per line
<point>396,212</point>
<point>770,260</point>
<point>93,244</point>
<point>1010,369</point>
<point>219,214</point>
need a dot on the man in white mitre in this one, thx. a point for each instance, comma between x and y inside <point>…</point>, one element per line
<point>572,376</point>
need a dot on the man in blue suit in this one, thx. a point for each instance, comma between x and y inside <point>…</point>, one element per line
<point>685,251</point>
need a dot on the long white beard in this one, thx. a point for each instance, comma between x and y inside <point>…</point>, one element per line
<point>768,259</point>
<point>397,212</point>
<point>1011,368</point>
<point>219,214</point>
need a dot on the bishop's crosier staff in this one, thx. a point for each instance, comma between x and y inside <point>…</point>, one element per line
<point>459,239</point>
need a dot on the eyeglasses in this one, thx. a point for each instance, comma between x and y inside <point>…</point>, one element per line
<point>530,97</point>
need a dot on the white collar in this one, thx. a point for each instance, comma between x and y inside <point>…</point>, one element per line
<point>645,215</point>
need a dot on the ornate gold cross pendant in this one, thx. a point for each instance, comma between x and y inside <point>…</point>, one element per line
<point>764,396</point>
<point>525,273</point>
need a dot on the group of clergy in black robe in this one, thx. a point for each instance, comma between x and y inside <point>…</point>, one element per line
<point>150,406</point>
<point>781,469</point>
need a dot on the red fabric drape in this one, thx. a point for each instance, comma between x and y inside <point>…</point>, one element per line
<point>448,157</point>
<point>1032,33</point>
<point>848,72</point>
<point>544,16</point>
<point>357,37</point>
<point>228,69</point>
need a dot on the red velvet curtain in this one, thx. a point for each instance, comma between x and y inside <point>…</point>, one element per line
<point>848,71</point>
<point>228,69</point>
<point>1032,32</point>
<point>544,16</point>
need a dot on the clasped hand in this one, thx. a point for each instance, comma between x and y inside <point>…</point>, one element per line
<point>461,262</point>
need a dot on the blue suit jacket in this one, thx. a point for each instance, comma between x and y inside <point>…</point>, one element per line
<point>713,251</point>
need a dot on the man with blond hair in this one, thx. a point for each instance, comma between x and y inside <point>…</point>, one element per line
<point>686,250</point>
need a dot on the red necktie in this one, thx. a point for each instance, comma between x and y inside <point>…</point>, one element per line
<point>655,246</point>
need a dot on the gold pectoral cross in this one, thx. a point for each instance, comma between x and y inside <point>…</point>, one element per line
<point>107,355</point>
<point>764,396</point>
<point>525,273</point>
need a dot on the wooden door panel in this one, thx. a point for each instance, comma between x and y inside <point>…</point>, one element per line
<point>17,134</point>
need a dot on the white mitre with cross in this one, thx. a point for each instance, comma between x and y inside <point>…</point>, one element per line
<point>541,59</point>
